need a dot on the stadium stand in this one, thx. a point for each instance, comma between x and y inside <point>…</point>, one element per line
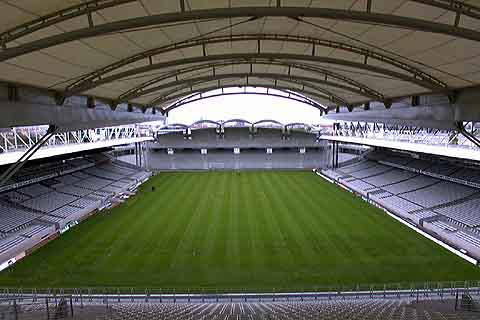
<point>247,159</point>
<point>360,308</point>
<point>437,195</point>
<point>49,201</point>
<point>240,137</point>
<point>337,309</point>
<point>412,184</point>
<point>465,212</point>
<point>391,177</point>
<point>44,206</point>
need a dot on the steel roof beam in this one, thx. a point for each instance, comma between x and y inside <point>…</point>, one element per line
<point>218,124</point>
<point>323,73</point>
<point>87,8</point>
<point>56,17</point>
<point>459,7</point>
<point>292,124</point>
<point>252,56</point>
<point>191,81</point>
<point>235,120</point>
<point>164,111</point>
<point>224,13</point>
<point>183,99</point>
<point>287,90</point>
<point>288,94</point>
<point>366,53</point>
<point>195,81</point>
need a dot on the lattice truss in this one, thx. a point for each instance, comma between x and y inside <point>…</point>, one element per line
<point>154,53</point>
<point>403,133</point>
<point>25,137</point>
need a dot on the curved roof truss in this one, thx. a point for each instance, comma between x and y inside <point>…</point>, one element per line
<point>183,15</point>
<point>88,7</point>
<point>182,100</point>
<point>267,121</point>
<point>305,82</point>
<point>236,120</point>
<point>217,124</point>
<point>174,125</point>
<point>297,124</point>
<point>323,74</point>
<point>248,56</point>
<point>90,80</point>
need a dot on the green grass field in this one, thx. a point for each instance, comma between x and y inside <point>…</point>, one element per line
<point>248,230</point>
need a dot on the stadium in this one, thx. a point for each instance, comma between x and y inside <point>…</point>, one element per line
<point>194,159</point>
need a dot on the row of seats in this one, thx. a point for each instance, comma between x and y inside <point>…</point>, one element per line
<point>399,203</point>
<point>412,184</point>
<point>363,308</point>
<point>11,219</point>
<point>11,242</point>
<point>443,225</point>
<point>417,196</point>
<point>446,170</point>
<point>236,137</point>
<point>465,212</point>
<point>227,160</point>
<point>28,211</point>
<point>391,177</point>
<point>469,238</point>
<point>439,193</point>
<point>56,199</point>
<point>49,201</point>
<point>372,171</point>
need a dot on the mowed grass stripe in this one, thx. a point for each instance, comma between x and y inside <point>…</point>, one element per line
<point>324,252</point>
<point>235,229</point>
<point>238,231</point>
<point>332,247</point>
<point>257,258</point>
<point>189,244</point>
<point>282,256</point>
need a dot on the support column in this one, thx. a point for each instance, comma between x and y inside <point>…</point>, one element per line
<point>140,149</point>
<point>333,154</point>
<point>336,156</point>
<point>27,155</point>
<point>136,153</point>
<point>471,137</point>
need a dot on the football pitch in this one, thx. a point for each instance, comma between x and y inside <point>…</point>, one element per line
<point>238,231</point>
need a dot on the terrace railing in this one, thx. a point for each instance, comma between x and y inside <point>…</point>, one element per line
<point>82,303</point>
<point>105,294</point>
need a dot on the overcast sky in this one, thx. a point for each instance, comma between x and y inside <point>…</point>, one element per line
<point>245,106</point>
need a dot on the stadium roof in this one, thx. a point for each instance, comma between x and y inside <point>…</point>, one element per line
<point>150,52</point>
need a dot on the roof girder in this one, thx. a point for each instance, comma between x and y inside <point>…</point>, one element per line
<point>177,85</point>
<point>220,13</point>
<point>293,124</point>
<point>278,76</point>
<point>87,8</point>
<point>246,58</point>
<point>218,124</point>
<point>287,90</point>
<point>235,120</point>
<point>366,53</point>
<point>324,73</point>
<point>200,97</point>
<point>456,6</point>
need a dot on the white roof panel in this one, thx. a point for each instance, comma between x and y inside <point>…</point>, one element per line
<point>446,60</point>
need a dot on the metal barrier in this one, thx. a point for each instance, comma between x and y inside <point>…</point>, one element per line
<point>86,303</point>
